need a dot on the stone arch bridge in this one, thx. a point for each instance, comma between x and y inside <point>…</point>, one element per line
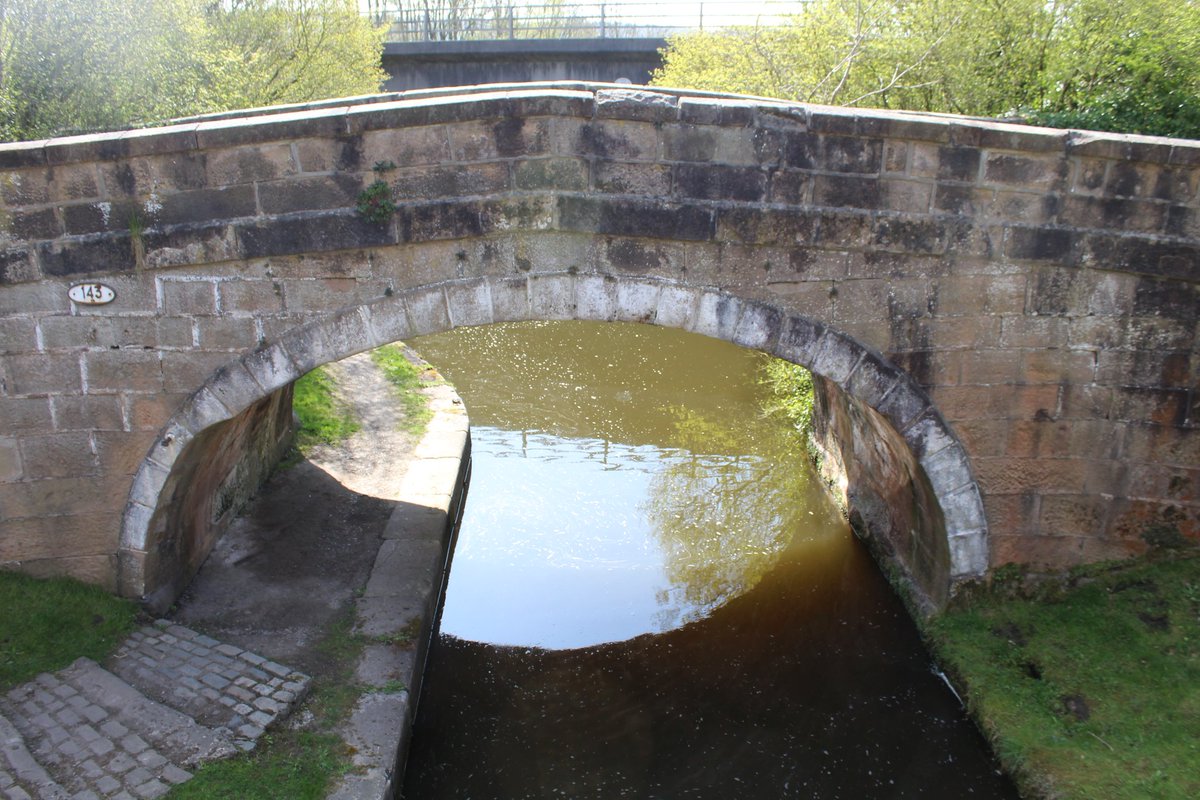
<point>1003,318</point>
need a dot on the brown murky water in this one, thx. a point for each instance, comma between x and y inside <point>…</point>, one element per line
<point>651,596</point>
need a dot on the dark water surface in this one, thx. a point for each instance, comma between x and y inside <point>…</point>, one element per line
<point>651,596</point>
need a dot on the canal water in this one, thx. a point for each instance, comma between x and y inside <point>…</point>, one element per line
<point>652,597</point>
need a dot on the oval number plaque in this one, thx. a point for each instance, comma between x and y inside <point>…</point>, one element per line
<point>91,294</point>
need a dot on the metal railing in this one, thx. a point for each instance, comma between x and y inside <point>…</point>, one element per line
<point>462,20</point>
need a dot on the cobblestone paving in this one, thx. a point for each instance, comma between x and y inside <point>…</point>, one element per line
<point>218,685</point>
<point>87,734</point>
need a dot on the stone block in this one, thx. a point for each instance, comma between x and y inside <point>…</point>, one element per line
<point>339,190</point>
<point>510,299</point>
<point>486,140</point>
<point>679,222</point>
<point>427,311</point>
<point>791,186</point>
<point>759,327</point>
<point>324,294</point>
<point>148,484</point>
<point>947,470</point>
<point>203,205</point>
<point>1168,407</point>
<point>990,367</point>
<point>270,367</point>
<point>452,219</point>
<point>716,111</point>
<point>183,372</point>
<point>519,214</point>
<point>469,304</point>
<point>427,183</point>
<point>912,197</point>
<point>235,387</point>
<point>847,191</point>
<point>963,509</point>
<point>871,379</point>
<point>968,554</point>
<point>945,162</point>
<point>555,173</point>
<point>250,296</point>
<point>771,226</point>
<point>1071,515</point>
<point>552,296</point>
<point>903,404</point>
<point>328,155</point>
<point>836,357</point>
<point>201,411</point>
<point>58,455</point>
<point>310,232</point>
<point>641,257</point>
<point>928,436</point>
<point>1058,366</point>
<point>408,147</point>
<point>234,165</point>
<point>800,339</point>
<point>637,301</point>
<point>619,140</point>
<point>193,297</point>
<point>596,297</point>
<point>716,315</point>
<point>11,468</point>
<point>27,415</point>
<point>121,452</point>
<point>911,235</point>
<point>1047,172</point>
<point>676,307</point>
<point>636,104</point>
<point>1108,212</point>
<point>618,177</point>
<point>718,182</point>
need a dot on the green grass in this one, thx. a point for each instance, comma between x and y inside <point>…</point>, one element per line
<point>1091,689</point>
<point>405,377</point>
<point>293,764</point>
<point>47,624</point>
<point>323,418</point>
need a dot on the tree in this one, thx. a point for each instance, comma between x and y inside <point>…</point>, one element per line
<point>1117,64</point>
<point>266,52</point>
<point>84,65</point>
<point>69,65</point>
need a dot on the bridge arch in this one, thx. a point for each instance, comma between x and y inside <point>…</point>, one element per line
<point>952,547</point>
<point>1037,289</point>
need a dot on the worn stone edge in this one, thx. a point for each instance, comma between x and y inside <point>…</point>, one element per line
<point>380,725</point>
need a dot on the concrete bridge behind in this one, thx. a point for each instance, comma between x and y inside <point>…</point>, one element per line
<point>1003,318</point>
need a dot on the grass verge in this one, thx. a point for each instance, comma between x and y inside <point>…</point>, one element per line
<point>290,763</point>
<point>1089,688</point>
<point>406,378</point>
<point>323,418</point>
<point>47,624</point>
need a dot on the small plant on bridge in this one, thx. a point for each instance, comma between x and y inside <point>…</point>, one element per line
<point>375,202</point>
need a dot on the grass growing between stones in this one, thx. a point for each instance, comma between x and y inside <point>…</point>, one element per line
<point>1090,688</point>
<point>47,624</point>
<point>406,378</point>
<point>294,763</point>
<point>323,418</point>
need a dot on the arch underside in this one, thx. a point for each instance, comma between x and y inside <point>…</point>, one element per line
<point>865,376</point>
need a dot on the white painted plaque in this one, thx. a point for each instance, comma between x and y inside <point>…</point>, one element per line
<point>91,294</point>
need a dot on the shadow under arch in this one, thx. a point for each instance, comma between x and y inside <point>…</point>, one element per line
<point>957,541</point>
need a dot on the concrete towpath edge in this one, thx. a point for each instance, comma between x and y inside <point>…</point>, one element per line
<point>398,608</point>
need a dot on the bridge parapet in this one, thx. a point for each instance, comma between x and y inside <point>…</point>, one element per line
<point>1039,288</point>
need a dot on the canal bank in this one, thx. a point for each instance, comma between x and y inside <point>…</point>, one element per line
<point>338,567</point>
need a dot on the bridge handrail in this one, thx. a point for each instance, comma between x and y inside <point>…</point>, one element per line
<point>465,20</point>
